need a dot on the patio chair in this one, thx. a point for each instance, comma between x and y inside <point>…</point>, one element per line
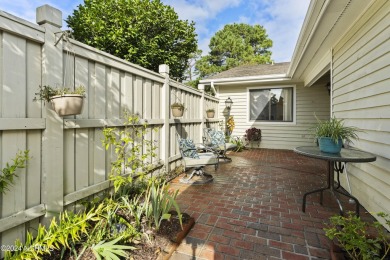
<point>216,140</point>
<point>193,159</point>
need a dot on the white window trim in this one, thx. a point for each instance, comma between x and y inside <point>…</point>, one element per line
<point>258,123</point>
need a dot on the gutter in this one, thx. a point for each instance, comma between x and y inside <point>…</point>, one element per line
<point>298,54</point>
<point>240,80</point>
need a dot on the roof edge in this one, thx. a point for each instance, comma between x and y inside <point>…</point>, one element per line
<point>314,14</point>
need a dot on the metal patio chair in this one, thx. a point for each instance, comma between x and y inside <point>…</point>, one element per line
<point>216,140</point>
<point>193,159</point>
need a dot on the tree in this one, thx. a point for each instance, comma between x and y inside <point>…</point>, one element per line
<point>145,32</point>
<point>234,45</point>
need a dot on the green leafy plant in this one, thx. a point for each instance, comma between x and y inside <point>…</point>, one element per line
<point>46,92</point>
<point>161,200</point>
<point>335,129</point>
<point>210,110</point>
<point>240,145</point>
<point>133,152</point>
<point>9,172</point>
<point>110,250</point>
<point>57,236</point>
<point>352,234</point>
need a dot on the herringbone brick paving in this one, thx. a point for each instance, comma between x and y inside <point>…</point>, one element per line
<point>252,209</point>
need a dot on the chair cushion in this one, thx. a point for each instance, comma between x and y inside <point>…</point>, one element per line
<point>217,137</point>
<point>188,148</point>
<point>204,159</point>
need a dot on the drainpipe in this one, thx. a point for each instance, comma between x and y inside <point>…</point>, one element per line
<point>202,110</point>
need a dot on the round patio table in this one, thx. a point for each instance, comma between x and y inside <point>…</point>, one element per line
<point>345,155</point>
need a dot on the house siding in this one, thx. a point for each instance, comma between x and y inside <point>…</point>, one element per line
<point>308,103</point>
<point>361,96</point>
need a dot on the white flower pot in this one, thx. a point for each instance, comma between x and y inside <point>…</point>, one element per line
<point>68,104</point>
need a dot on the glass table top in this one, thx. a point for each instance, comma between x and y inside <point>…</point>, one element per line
<point>345,155</point>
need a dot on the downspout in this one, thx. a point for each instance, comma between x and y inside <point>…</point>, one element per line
<point>331,82</point>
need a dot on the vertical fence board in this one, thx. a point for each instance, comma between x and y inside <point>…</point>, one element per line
<point>69,163</point>
<point>81,159</point>
<point>82,79</point>
<point>147,90</point>
<point>114,95</point>
<point>34,71</point>
<point>99,154</point>
<point>99,99</point>
<point>137,97</point>
<point>127,92</point>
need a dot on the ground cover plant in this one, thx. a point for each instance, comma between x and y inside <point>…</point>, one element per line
<point>132,220</point>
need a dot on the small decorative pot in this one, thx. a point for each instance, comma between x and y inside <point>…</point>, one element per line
<point>210,114</point>
<point>68,104</point>
<point>327,145</point>
<point>177,111</point>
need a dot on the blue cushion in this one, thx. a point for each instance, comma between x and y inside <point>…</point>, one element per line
<point>188,148</point>
<point>217,137</point>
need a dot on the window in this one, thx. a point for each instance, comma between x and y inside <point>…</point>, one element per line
<point>271,104</point>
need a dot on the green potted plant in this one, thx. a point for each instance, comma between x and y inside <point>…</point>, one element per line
<point>353,238</point>
<point>210,112</point>
<point>177,109</point>
<point>331,134</point>
<point>63,100</point>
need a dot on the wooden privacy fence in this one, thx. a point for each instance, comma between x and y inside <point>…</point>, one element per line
<point>68,161</point>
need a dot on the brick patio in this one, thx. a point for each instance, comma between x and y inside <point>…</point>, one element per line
<point>252,209</point>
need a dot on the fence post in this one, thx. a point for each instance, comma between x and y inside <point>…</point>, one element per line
<point>163,69</point>
<point>202,109</point>
<point>52,137</point>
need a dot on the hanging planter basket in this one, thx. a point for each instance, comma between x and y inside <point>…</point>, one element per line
<point>67,104</point>
<point>210,114</point>
<point>177,109</point>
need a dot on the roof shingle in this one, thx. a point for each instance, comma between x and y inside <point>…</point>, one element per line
<point>253,70</point>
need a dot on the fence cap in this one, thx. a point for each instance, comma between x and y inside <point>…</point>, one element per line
<point>50,15</point>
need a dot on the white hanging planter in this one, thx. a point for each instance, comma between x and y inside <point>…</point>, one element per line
<point>67,104</point>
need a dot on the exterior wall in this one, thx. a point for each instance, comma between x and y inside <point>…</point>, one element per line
<point>68,161</point>
<point>308,103</point>
<point>361,95</point>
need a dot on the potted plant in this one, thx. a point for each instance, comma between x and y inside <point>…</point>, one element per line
<point>64,101</point>
<point>253,135</point>
<point>331,133</point>
<point>353,238</point>
<point>210,112</point>
<point>177,109</point>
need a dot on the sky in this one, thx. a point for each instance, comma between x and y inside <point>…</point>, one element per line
<point>282,19</point>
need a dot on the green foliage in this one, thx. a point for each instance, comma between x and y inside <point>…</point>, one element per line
<point>46,92</point>
<point>235,45</point>
<point>335,129</point>
<point>9,171</point>
<point>240,145</point>
<point>133,152</point>
<point>352,234</point>
<point>58,235</point>
<point>110,250</point>
<point>161,201</point>
<point>145,32</point>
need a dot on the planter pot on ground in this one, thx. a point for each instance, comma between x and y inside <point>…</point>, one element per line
<point>177,111</point>
<point>210,114</point>
<point>68,104</point>
<point>327,145</point>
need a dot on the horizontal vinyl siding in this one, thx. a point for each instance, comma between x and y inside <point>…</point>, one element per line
<point>361,80</point>
<point>309,102</point>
